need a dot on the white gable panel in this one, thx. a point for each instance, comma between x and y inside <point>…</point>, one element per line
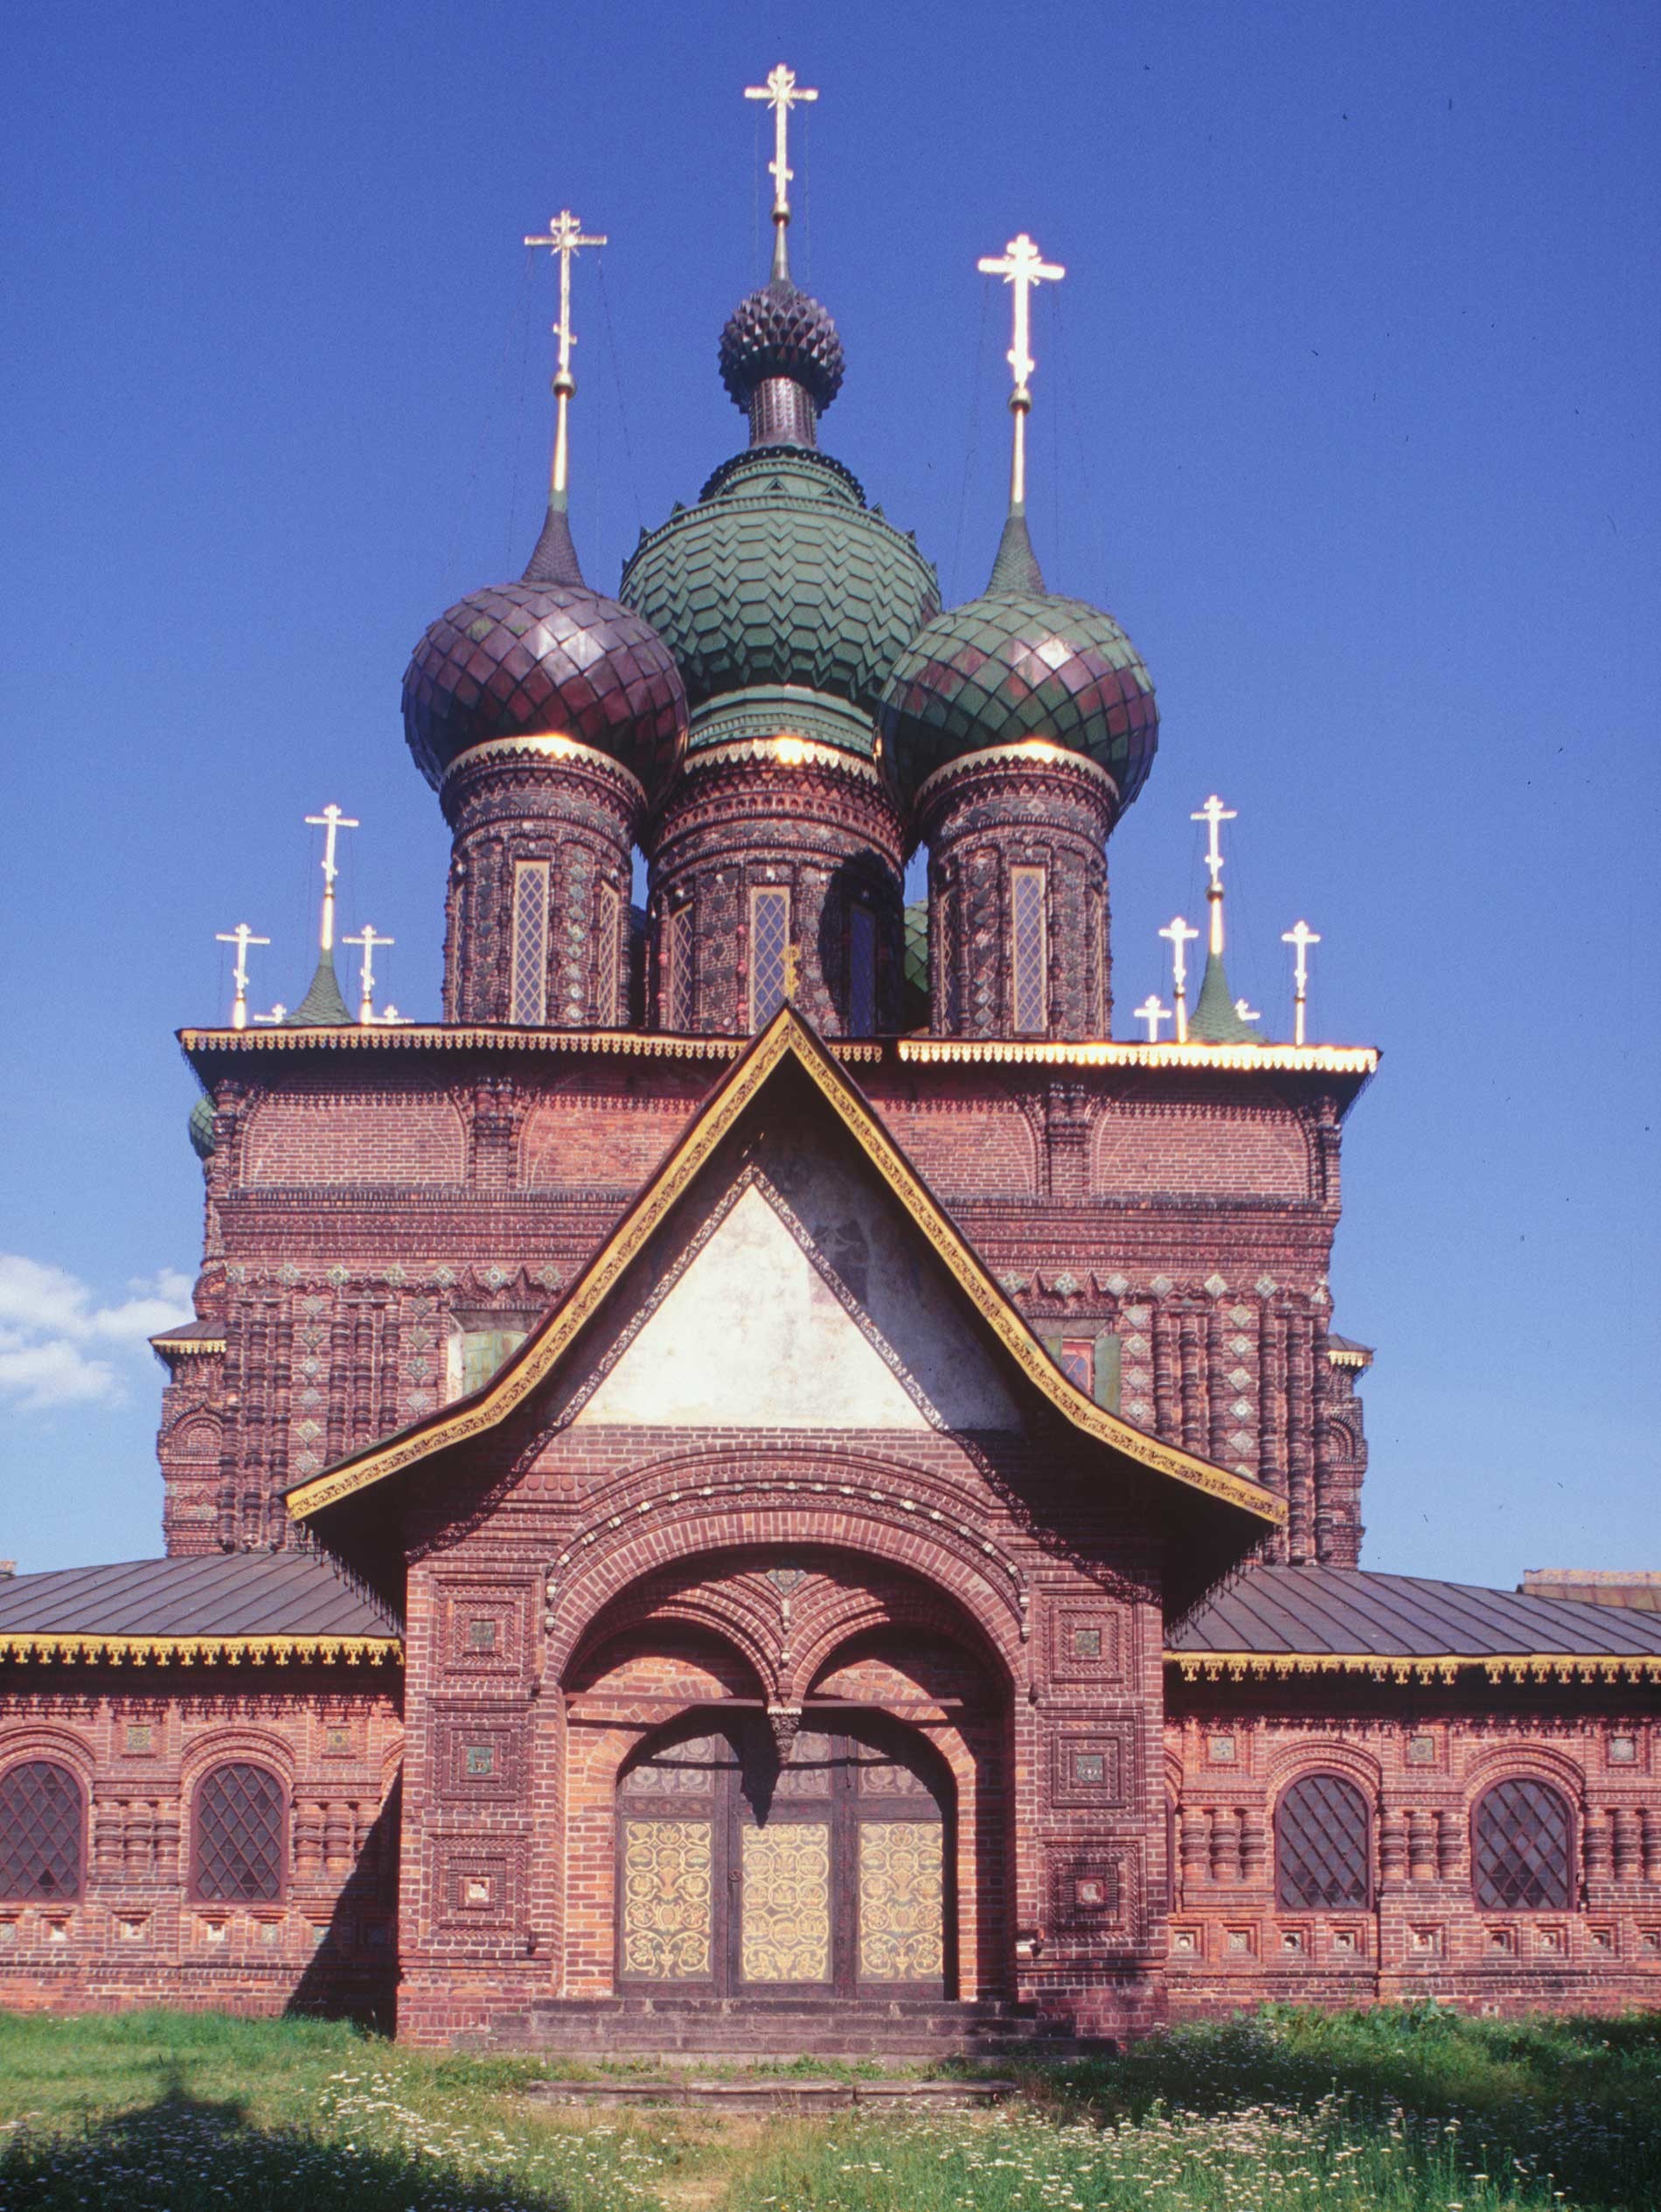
<point>753,1336</point>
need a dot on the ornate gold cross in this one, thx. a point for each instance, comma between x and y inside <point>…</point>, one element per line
<point>781,93</point>
<point>1152,1013</point>
<point>1021,267</point>
<point>564,237</point>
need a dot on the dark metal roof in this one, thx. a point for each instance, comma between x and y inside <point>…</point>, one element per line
<point>285,1593</point>
<point>1339,1609</point>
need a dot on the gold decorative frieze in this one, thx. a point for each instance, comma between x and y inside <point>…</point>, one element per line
<point>786,1935</point>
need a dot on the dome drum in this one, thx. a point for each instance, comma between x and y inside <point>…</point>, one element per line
<point>776,870</point>
<point>1018,893</point>
<point>537,919</point>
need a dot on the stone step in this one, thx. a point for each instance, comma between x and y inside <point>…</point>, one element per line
<point>799,2093</point>
<point>679,2031</point>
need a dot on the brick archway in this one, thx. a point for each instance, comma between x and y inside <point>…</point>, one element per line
<point>862,1649</point>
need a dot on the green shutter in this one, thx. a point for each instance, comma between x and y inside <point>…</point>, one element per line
<point>483,1352</point>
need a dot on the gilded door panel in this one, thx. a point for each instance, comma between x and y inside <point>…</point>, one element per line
<point>668,1900</point>
<point>902,1901</point>
<point>786,1933</point>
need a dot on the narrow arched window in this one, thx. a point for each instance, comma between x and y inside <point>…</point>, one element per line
<point>40,1826</point>
<point>238,1836</point>
<point>1322,1847</point>
<point>1522,1848</point>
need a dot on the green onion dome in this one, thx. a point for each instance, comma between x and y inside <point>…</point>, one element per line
<point>1020,662</point>
<point>201,1127</point>
<point>784,599</point>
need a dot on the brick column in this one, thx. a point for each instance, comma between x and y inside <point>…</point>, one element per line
<point>983,818</point>
<point>562,807</point>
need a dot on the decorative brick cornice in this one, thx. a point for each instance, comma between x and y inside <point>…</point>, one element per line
<point>1042,759</point>
<point>551,748</point>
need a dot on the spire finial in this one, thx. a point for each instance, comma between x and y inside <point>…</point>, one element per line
<point>241,937</point>
<point>781,93</point>
<point>564,237</point>
<point>1152,1013</point>
<point>1301,937</point>
<point>1021,267</point>
<point>1214,814</point>
<point>1182,934</point>
<point>331,821</point>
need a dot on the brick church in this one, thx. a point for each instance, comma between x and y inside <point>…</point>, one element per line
<point>766,1482</point>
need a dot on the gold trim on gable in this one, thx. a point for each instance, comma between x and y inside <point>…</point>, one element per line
<point>201,1651</point>
<point>785,1036</point>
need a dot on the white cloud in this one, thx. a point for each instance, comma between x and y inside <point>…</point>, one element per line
<point>56,1340</point>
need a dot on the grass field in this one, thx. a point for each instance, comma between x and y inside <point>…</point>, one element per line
<point>1404,2111</point>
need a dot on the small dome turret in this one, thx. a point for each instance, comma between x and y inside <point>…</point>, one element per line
<point>544,656</point>
<point>1020,662</point>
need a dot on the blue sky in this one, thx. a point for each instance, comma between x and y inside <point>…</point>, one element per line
<point>1346,408</point>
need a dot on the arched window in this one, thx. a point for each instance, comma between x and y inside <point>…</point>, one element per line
<point>1522,1848</point>
<point>39,1831</point>
<point>238,1836</point>
<point>1323,1840</point>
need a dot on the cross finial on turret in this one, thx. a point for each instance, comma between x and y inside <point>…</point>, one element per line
<point>564,237</point>
<point>781,93</point>
<point>241,937</point>
<point>368,936</point>
<point>1021,267</point>
<point>331,821</point>
<point>1152,1013</point>
<point>1214,814</point>
<point>1301,937</point>
<point>1181,934</point>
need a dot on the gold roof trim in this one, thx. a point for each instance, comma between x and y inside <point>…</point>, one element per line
<point>1042,750</point>
<point>169,1342</point>
<point>547,744</point>
<point>201,1651</point>
<point>1342,1355</point>
<point>439,1036</point>
<point>1445,1666</point>
<point>786,1036</point>
<point>1109,1052</point>
<point>788,749</point>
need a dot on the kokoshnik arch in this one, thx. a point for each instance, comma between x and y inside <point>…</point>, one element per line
<point>766,1476</point>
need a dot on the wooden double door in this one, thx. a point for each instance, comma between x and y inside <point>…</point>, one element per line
<point>825,1872</point>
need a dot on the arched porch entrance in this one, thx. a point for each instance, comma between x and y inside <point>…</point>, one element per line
<point>823,1865</point>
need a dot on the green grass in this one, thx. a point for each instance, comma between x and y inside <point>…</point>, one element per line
<point>1397,2111</point>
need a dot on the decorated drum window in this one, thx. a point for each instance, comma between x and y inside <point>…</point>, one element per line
<point>769,953</point>
<point>528,997</point>
<point>1522,1848</point>
<point>238,1837</point>
<point>40,1830</point>
<point>1322,1847</point>
<point>1029,950</point>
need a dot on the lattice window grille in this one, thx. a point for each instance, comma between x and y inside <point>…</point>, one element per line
<point>1522,1848</point>
<point>1029,949</point>
<point>680,961</point>
<point>769,953</point>
<point>40,1824</point>
<point>1322,1858</point>
<point>238,1836</point>
<point>862,972</point>
<point>607,956</point>
<point>528,999</point>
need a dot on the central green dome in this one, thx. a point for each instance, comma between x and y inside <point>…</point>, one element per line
<point>782,581</point>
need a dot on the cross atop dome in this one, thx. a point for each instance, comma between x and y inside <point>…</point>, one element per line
<point>781,93</point>
<point>565,237</point>
<point>1021,266</point>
